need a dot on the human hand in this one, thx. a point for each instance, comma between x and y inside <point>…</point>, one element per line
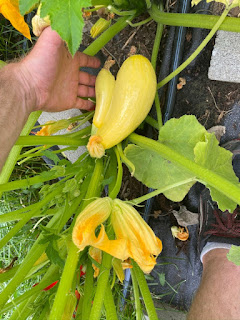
<point>52,76</point>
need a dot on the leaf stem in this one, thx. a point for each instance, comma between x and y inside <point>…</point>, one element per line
<point>138,306</point>
<point>144,291</point>
<point>154,193</point>
<point>113,194</point>
<point>193,20</point>
<point>109,304</point>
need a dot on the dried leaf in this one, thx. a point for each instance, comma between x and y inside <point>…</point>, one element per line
<point>184,217</point>
<point>219,131</point>
<point>10,10</point>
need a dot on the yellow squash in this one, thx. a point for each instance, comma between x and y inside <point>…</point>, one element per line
<point>131,100</point>
<point>104,86</point>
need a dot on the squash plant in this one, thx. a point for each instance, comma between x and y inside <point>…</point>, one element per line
<point>183,154</point>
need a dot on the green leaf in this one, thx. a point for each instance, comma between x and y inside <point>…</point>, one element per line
<point>218,160</point>
<point>26,5</point>
<point>234,255</point>
<point>66,18</point>
<point>70,186</point>
<point>162,279</point>
<point>188,138</point>
<point>53,254</point>
<point>52,156</point>
<point>156,172</point>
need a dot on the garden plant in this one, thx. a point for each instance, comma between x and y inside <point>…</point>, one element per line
<point>91,235</point>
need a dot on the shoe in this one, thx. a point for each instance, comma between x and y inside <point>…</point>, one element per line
<point>215,225</point>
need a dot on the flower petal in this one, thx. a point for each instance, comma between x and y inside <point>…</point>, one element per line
<point>142,244</point>
<point>88,220</point>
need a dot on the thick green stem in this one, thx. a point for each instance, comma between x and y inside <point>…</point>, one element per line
<point>147,298</point>
<point>202,174</point>
<point>52,140</point>
<point>193,20</point>
<point>73,254</point>
<point>65,283</point>
<point>103,280</point>
<point>118,184</point>
<point>155,51</point>
<point>109,304</point>
<point>88,291</point>
<point>138,306</point>
<point>197,51</point>
<point>16,150</point>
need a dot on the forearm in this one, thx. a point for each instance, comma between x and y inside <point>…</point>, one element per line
<point>15,107</point>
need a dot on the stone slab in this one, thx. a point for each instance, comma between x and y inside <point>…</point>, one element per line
<point>225,61</point>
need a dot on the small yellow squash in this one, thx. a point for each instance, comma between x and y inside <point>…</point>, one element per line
<point>131,101</point>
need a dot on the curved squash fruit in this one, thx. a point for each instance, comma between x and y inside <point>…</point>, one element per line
<point>131,100</point>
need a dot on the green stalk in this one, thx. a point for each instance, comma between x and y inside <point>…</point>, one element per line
<point>155,51</point>
<point>16,150</point>
<point>202,174</point>
<point>88,291</point>
<point>134,25</point>
<point>154,193</point>
<point>65,283</point>
<point>102,284</point>
<point>125,159</point>
<point>24,310</point>
<point>138,306</point>
<point>50,140</point>
<point>152,122</point>
<point>73,253</point>
<point>190,20</point>
<point>197,51</point>
<point>121,13</point>
<point>109,304</point>
<point>144,291</point>
<point>113,194</point>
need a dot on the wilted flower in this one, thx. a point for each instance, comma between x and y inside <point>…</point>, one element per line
<point>52,127</point>
<point>180,233</point>
<point>100,26</point>
<point>134,238</point>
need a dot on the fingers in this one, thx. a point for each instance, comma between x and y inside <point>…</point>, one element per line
<point>87,61</point>
<point>86,79</point>
<point>85,91</point>
<point>84,104</point>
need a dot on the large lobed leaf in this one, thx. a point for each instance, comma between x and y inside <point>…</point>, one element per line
<point>65,16</point>
<point>190,139</point>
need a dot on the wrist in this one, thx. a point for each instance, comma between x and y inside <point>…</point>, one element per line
<point>21,81</point>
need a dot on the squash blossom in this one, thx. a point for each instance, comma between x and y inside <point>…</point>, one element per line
<point>52,127</point>
<point>134,238</point>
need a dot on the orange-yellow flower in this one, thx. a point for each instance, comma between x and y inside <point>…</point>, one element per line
<point>142,244</point>
<point>52,127</point>
<point>134,238</point>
